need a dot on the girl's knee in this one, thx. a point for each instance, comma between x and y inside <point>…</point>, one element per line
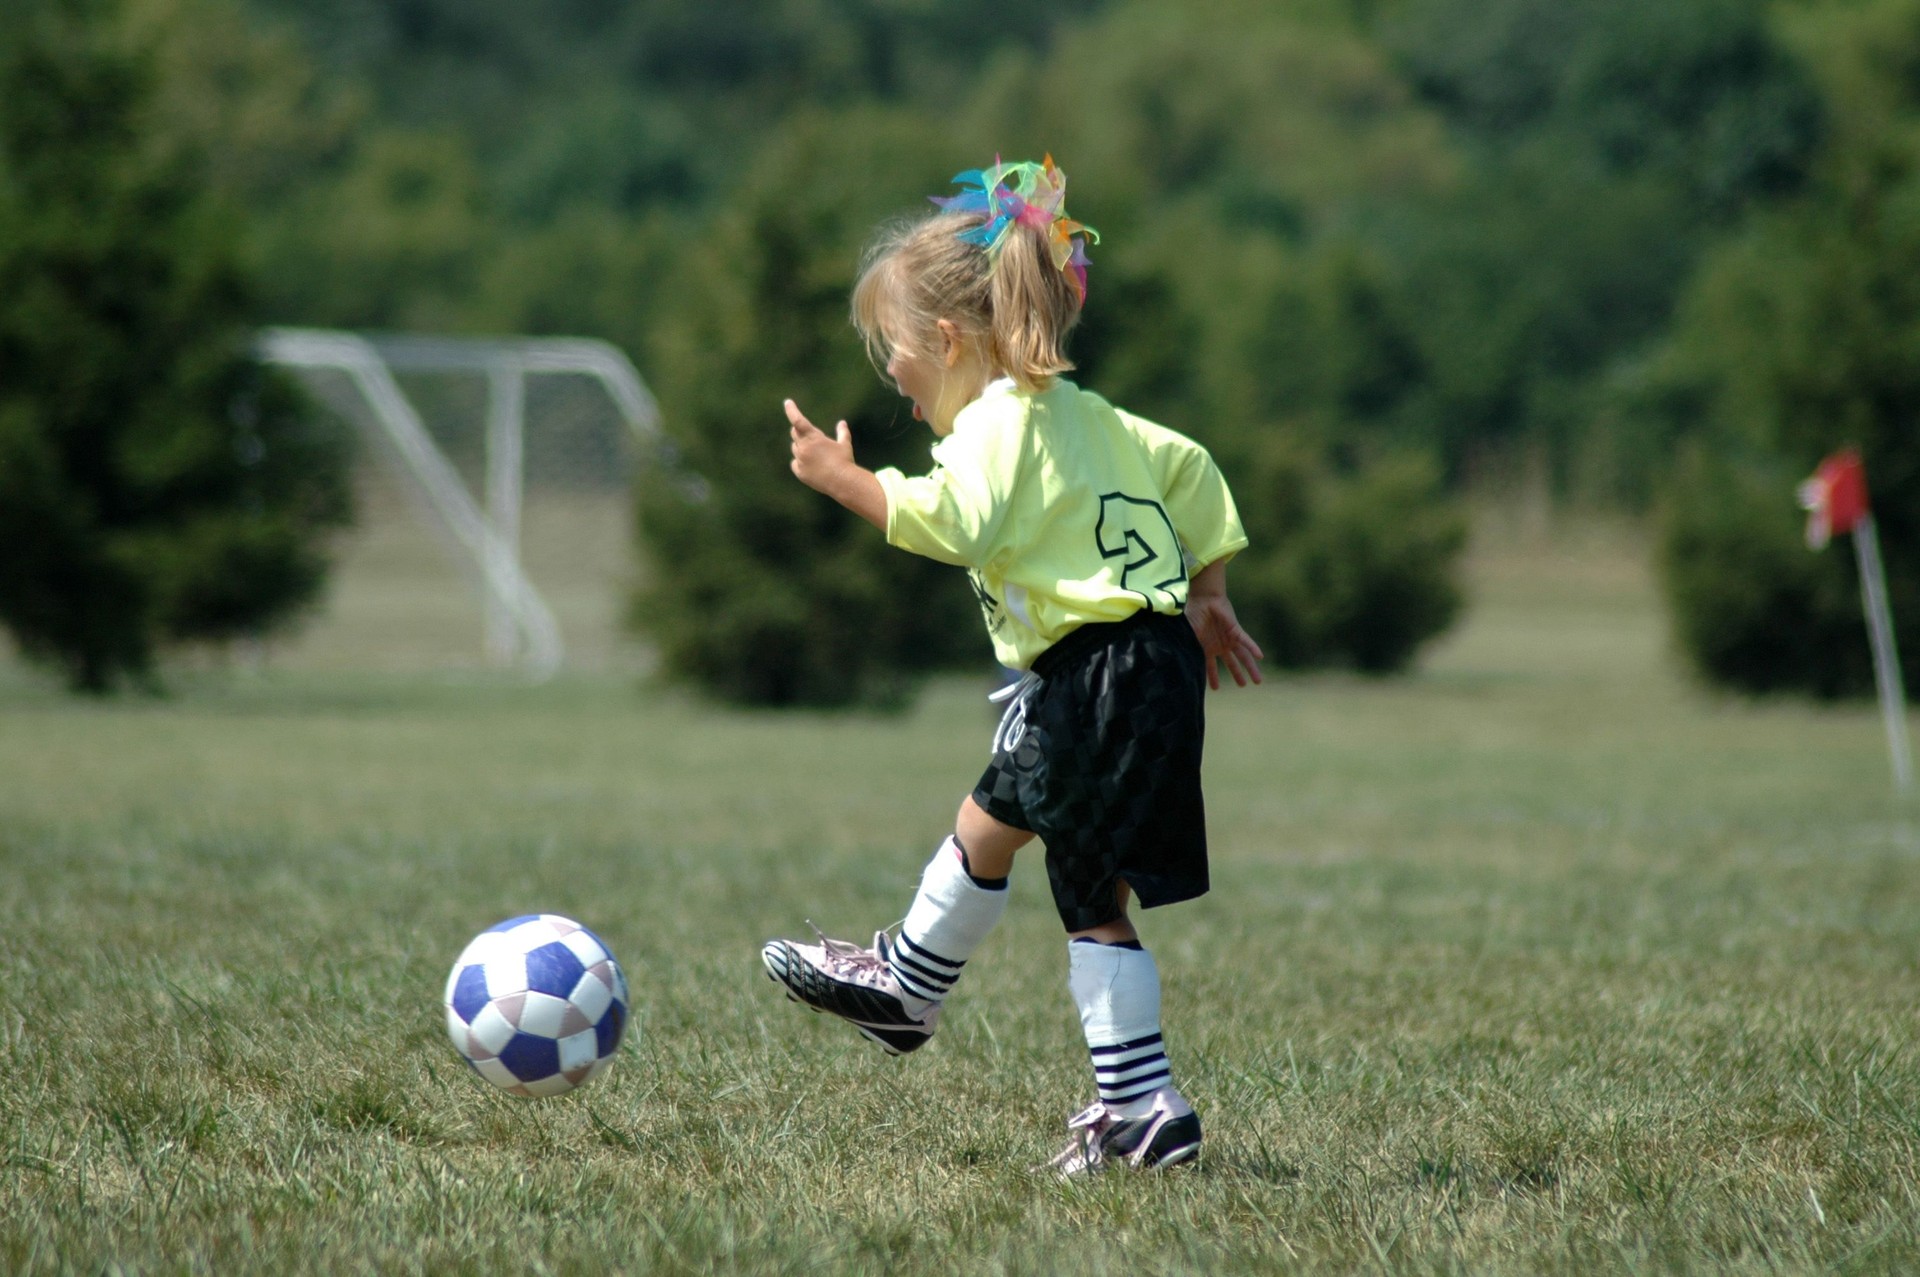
<point>1118,931</point>
<point>976,825</point>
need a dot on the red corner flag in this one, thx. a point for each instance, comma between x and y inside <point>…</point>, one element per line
<point>1835,499</point>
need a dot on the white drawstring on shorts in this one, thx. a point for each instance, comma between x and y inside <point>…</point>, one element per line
<point>1013,721</point>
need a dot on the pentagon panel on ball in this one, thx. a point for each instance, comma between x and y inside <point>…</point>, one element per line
<point>536,1005</point>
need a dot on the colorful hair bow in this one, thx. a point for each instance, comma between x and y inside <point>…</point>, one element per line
<point>1023,194</point>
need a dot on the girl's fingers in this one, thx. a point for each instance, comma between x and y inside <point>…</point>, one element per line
<point>1251,665</point>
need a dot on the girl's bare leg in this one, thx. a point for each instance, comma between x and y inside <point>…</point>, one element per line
<point>990,843</point>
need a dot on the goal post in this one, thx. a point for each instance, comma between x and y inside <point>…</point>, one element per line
<point>484,533</point>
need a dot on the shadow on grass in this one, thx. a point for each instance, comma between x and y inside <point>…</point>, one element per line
<point>1239,1165</point>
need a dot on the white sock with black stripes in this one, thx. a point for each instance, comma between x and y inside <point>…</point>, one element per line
<point>1117,989</point>
<point>951,914</point>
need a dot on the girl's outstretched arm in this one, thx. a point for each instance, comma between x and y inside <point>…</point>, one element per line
<point>826,465</point>
<point>1219,632</point>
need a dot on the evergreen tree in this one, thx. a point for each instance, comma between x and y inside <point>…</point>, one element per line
<point>765,592</point>
<point>155,485</point>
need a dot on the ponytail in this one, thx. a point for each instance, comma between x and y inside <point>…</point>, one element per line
<point>1004,264</point>
<point>1035,307</point>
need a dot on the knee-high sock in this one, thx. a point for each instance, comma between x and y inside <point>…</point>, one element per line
<point>951,915</point>
<point>1118,992</point>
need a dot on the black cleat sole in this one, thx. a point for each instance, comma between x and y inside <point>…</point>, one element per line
<point>879,1019</point>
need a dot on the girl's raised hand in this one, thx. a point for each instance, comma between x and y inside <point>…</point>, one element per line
<point>827,466</point>
<point>817,459</point>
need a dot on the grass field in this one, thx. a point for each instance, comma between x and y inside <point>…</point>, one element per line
<point>1539,961</point>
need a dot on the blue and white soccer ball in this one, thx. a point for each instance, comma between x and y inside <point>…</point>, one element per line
<point>536,1005</point>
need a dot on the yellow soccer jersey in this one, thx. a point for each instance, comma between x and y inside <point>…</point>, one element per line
<point>1065,510</point>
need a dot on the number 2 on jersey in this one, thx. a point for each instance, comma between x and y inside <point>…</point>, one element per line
<point>1139,533</point>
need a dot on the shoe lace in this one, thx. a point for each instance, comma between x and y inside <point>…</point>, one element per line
<point>1090,1118</point>
<point>1084,1129</point>
<point>849,960</point>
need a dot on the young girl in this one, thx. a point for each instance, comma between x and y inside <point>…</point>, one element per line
<point>1097,543</point>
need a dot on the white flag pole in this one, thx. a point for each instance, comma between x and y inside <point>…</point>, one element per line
<point>1886,658</point>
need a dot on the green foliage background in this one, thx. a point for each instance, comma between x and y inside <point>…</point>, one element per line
<point>1376,254</point>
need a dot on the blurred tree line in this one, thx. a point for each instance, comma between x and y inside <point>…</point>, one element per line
<point>1376,254</point>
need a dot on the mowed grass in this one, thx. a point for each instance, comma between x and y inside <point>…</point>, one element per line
<point>1542,960</point>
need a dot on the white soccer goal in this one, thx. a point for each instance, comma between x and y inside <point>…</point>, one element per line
<point>464,429</point>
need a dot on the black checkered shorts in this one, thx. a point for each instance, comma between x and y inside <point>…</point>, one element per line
<point>1105,766</point>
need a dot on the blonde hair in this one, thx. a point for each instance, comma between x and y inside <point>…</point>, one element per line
<point>1015,309</point>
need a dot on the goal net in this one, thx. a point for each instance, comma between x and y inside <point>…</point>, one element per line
<point>493,520</point>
